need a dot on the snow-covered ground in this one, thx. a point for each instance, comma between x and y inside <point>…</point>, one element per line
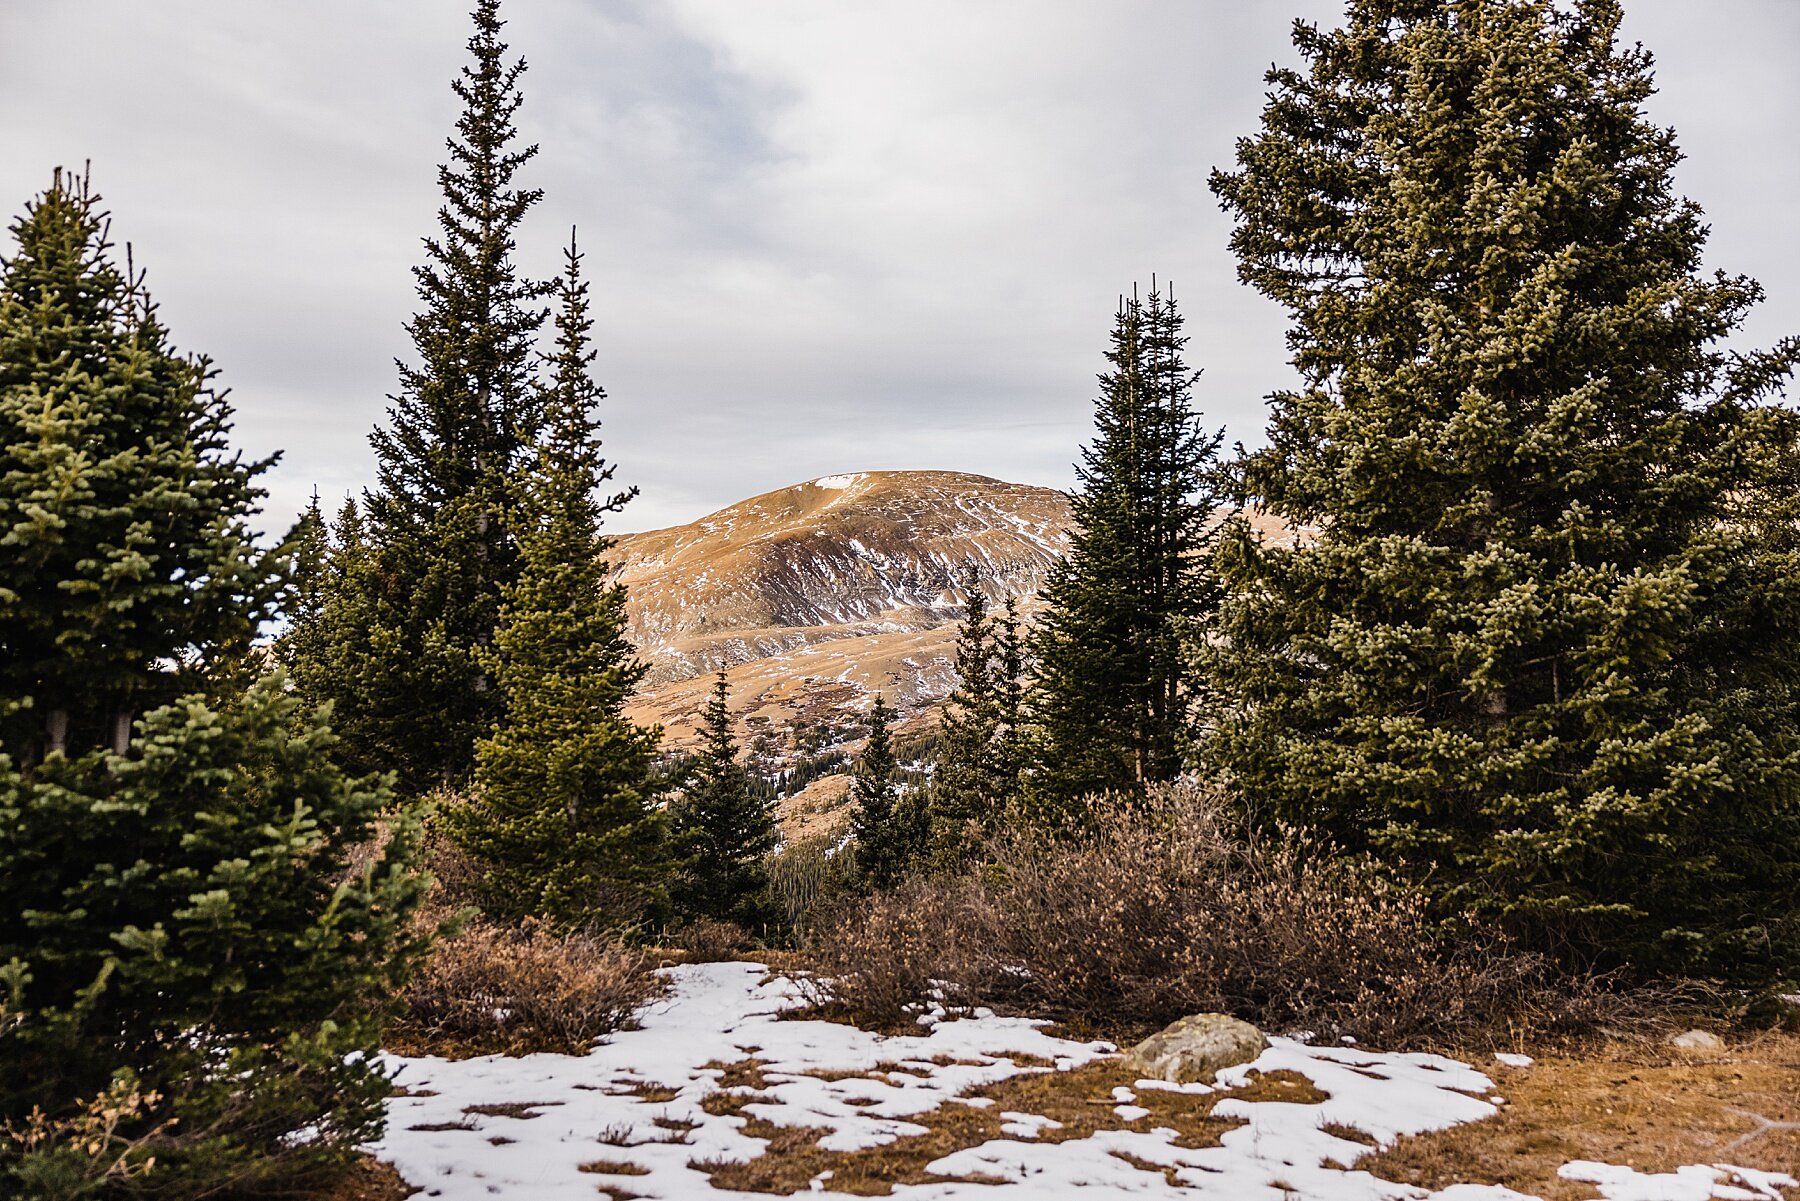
<point>521,1128</point>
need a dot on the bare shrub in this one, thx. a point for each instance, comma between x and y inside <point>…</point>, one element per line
<point>880,957</point>
<point>708,940</point>
<point>1169,907</point>
<point>487,989</point>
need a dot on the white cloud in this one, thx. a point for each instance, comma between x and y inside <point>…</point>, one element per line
<point>823,237</point>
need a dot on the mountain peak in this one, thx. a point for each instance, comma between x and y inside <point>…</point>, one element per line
<point>823,592</point>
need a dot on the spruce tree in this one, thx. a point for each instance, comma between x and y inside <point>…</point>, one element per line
<point>130,572</point>
<point>980,755</point>
<point>459,434</point>
<point>1111,691</point>
<point>564,815</point>
<point>1006,761</point>
<point>304,640</point>
<point>1529,643</point>
<point>723,832</point>
<point>182,938</point>
<point>878,822</point>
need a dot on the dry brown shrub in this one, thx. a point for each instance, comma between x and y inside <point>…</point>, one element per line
<point>1168,907</point>
<point>878,958</point>
<point>708,940</point>
<point>486,989</point>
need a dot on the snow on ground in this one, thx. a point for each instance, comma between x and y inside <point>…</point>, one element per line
<point>522,1128</point>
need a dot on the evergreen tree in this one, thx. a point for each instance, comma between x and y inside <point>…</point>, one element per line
<point>130,573</point>
<point>882,839</point>
<point>1008,748</point>
<point>723,832</point>
<point>1529,643</point>
<point>326,650</point>
<point>182,940</point>
<point>980,757</point>
<point>460,433</point>
<point>1111,689</point>
<point>564,814</point>
<point>304,641</point>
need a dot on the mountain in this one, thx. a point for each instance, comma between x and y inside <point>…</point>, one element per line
<point>816,596</point>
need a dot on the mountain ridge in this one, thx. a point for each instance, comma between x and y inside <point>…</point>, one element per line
<point>817,596</point>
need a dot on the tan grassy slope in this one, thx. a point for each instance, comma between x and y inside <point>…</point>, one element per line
<point>1648,1107</point>
<point>816,596</point>
<point>870,551</point>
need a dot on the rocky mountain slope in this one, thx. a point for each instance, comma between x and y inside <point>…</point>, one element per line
<point>816,596</point>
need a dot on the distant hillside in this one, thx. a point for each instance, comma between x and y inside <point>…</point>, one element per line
<point>818,595</point>
<point>872,553</point>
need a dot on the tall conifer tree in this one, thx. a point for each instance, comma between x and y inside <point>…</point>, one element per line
<point>883,840</point>
<point>723,831</point>
<point>563,815</point>
<point>459,433</point>
<point>980,755</point>
<point>183,942</point>
<point>1530,644</point>
<point>1112,692</point>
<point>130,571</point>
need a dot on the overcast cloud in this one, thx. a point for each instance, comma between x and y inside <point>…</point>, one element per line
<point>823,236</point>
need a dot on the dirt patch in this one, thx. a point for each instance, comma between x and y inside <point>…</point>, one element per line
<point>1624,1104</point>
<point>614,1167</point>
<point>510,1109</point>
<point>1079,1101</point>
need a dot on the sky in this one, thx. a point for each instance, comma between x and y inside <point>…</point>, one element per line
<point>822,236</point>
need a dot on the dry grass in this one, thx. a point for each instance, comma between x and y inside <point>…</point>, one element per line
<point>488,990</point>
<point>614,1167</point>
<point>1169,908</point>
<point>1622,1103</point>
<point>707,940</point>
<point>1079,1101</point>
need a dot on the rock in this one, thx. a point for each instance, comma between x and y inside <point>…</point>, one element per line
<point>1698,1040</point>
<point>1195,1048</point>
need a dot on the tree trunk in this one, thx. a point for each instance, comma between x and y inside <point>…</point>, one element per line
<point>56,732</point>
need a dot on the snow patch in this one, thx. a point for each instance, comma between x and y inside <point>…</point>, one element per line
<point>838,482</point>
<point>521,1128</point>
<point>1696,1182</point>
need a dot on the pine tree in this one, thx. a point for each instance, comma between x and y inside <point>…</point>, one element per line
<point>459,435</point>
<point>181,935</point>
<point>130,573</point>
<point>1111,690</point>
<point>1525,645</point>
<point>883,850</point>
<point>981,750</point>
<point>564,815</point>
<point>723,832</point>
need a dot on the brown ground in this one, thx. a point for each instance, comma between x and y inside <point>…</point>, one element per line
<point>1081,1100</point>
<point>1650,1108</point>
<point>820,810</point>
<point>1628,1103</point>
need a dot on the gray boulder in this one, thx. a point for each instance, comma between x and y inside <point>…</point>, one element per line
<point>1195,1048</point>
